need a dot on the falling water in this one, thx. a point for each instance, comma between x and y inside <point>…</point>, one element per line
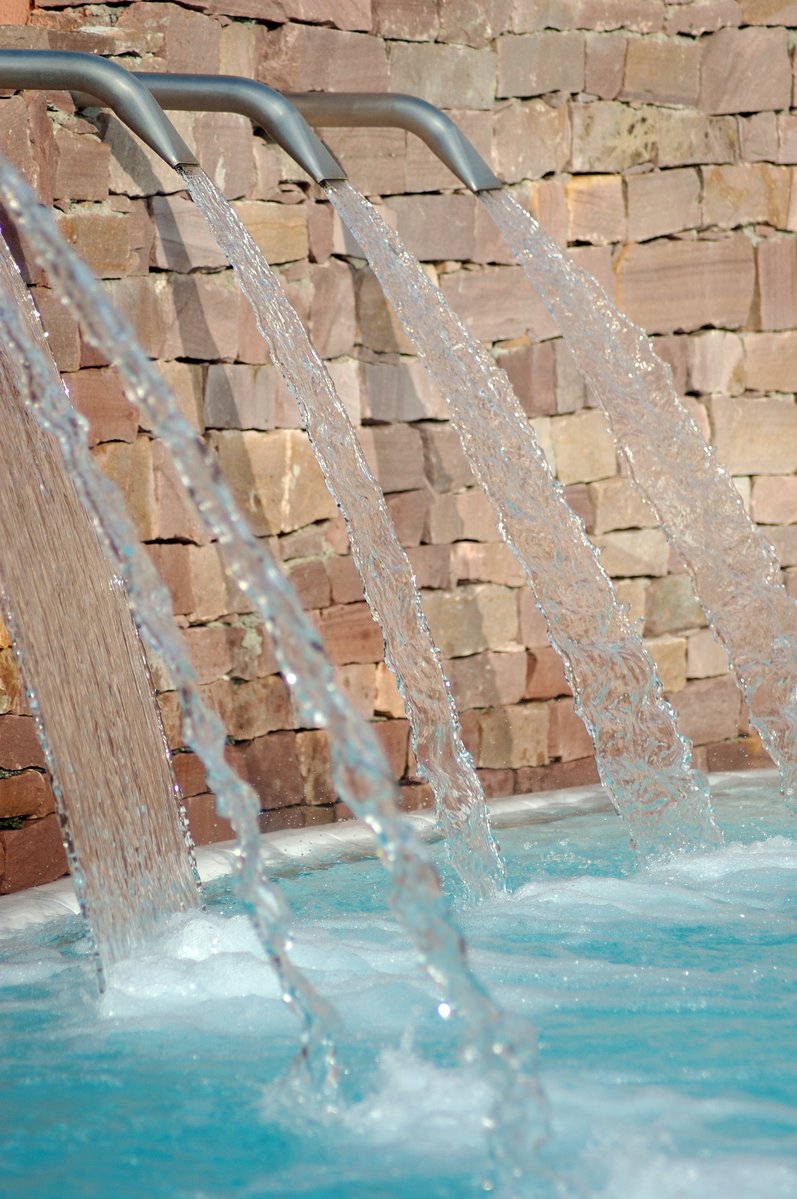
<point>643,761</point>
<point>87,681</point>
<point>504,1045</point>
<point>150,603</point>
<point>387,578</point>
<point>734,570</point>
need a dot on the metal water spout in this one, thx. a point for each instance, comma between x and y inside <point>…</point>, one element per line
<point>377,109</point>
<point>105,82</point>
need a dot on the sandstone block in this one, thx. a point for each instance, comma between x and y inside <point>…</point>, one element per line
<point>632,593</point>
<point>275,479</point>
<point>669,656</point>
<point>745,70</point>
<point>546,202</point>
<point>584,447</point>
<point>705,656</point>
<point>344,581</point>
<point>148,305</point>
<point>183,240</point>
<point>434,228</point>
<point>674,351</point>
<point>571,387</point>
<point>769,12</point>
<point>406,20</point>
<point>311,583</point>
<point>497,304</point>
<point>533,629</point>
<point>662,202</point>
<point>579,773</point>
<point>26,794</point>
<point>32,855</point>
<point>100,397</point>
<point>662,72</point>
<point>716,362</point>
<point>568,738</point>
<point>387,701</point>
<point>605,64</point>
<point>539,63</point>
<point>82,165</point>
<point>379,328</point>
<point>708,709</point>
<point>272,768</point>
<point>746,193</point>
<point>532,373</point>
<point>357,683</point>
<point>668,285</point>
<point>374,158</point>
<point>239,396</point>
<point>756,434</point>
<point>465,516</point>
<point>472,619</point>
<point>776,260</point>
<point>448,76</point>
<point>135,169</point>
<point>670,606</point>
<point>60,327</point>
<point>783,540</point>
<point>632,552</point>
<point>395,455</point>
<point>618,504</point>
<point>400,391</point>
<point>279,230</point>
<point>26,139</point>
<point>770,361</point>
<point>475,562</point>
<point>409,512</point>
<point>471,23</point>
<point>304,57</point>
<point>774,499</point>
<point>99,236</point>
<point>596,209</point>
<point>642,16</point>
<point>546,676</point>
<point>224,146</point>
<point>703,16</point>
<point>487,680</point>
<point>332,309</point>
<point>432,566</point>
<point>758,137</point>
<point>445,465</point>
<point>312,750</point>
<point>19,745</point>
<point>350,634</point>
<point>207,827</point>
<point>531,140</point>
<point>686,138</point>
<point>190,40</point>
<point>513,736</point>
<point>610,136</point>
<point>424,170</point>
<point>342,14</point>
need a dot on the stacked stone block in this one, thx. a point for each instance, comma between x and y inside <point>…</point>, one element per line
<point>657,140</point>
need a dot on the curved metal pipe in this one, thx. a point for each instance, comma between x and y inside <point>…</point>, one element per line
<point>266,108</point>
<point>103,80</point>
<point>405,112</point>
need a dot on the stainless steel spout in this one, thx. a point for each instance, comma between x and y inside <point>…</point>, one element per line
<point>266,108</point>
<point>105,82</point>
<point>376,109</point>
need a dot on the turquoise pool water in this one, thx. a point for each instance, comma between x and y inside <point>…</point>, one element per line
<point>664,1001</point>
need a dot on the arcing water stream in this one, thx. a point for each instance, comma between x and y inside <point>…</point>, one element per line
<point>384,567</point>
<point>642,759</point>
<point>734,570</point>
<point>503,1045</point>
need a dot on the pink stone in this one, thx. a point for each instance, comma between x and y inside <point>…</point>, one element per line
<point>777,283</point>
<point>539,63</point>
<point>662,72</point>
<point>605,64</point>
<point>745,70</point>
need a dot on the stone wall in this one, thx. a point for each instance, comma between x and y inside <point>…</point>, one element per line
<point>658,139</point>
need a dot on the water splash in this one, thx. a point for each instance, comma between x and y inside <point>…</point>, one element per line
<point>504,1046</point>
<point>384,568</point>
<point>643,761</point>
<point>734,570</point>
<point>88,685</point>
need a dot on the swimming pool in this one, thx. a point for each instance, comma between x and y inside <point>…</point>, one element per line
<point>664,1002</point>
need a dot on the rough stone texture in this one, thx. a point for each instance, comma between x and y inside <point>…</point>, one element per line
<point>745,70</point>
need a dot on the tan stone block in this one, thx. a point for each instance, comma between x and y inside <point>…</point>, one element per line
<point>776,260</point>
<point>60,327</point>
<point>408,20</point>
<point>474,562</point>
<point>26,794</point>
<point>745,70</point>
<point>531,140</point>
<point>332,324</point>
<point>374,159</point>
<point>305,57</point>
<point>148,305</point>
<point>705,656</point>
<point>183,240</point>
<point>770,361</point>
<point>539,63</point>
<point>670,606</point>
<point>350,634</point>
<point>395,455</point>
<point>610,136</point>
<point>310,582</point>
<point>686,138</point>
<point>632,593</point>
<point>19,745</point>
<point>135,170</point>
<point>357,683</point>
<point>513,736</point>
<point>568,738</point>
<point>471,23</point>
<point>533,629</point>
<point>703,16</point>
<point>643,16</point>
<point>708,710</point>
<point>662,71</point>
<point>546,202</point>
<point>32,855</point>
<point>239,396</point>
<point>774,499</point>
<point>100,397</point>
<point>466,516</point>
<point>746,193</point>
<point>409,513</point>
<point>716,362</point>
<point>487,680</point>
<point>669,656</point>
<point>546,676</point>
<point>472,619</point>
<point>632,552</point>
<point>448,76</point>
<point>532,373</point>
<point>584,447</point>
<point>275,479</point>
<point>497,304</point>
<point>570,388</point>
<point>434,228</point>
<point>272,769</point>
<point>387,701</point>
<point>618,504</point>
<point>662,202</point>
<point>669,285</point>
<point>698,414</point>
<point>130,468</point>
<point>432,566</point>
<point>279,230</point>
<point>26,139</point>
<point>783,540</point>
<point>400,391</point>
<point>605,63</point>
<point>11,688</point>
<point>755,434</point>
<point>596,209</point>
<point>758,137</point>
<point>445,464</point>
<point>344,581</point>
<point>769,12</point>
<point>425,172</point>
<point>190,40</point>
<point>379,327</point>
<point>82,164</point>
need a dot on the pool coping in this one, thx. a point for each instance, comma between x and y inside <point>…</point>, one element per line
<point>293,850</point>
